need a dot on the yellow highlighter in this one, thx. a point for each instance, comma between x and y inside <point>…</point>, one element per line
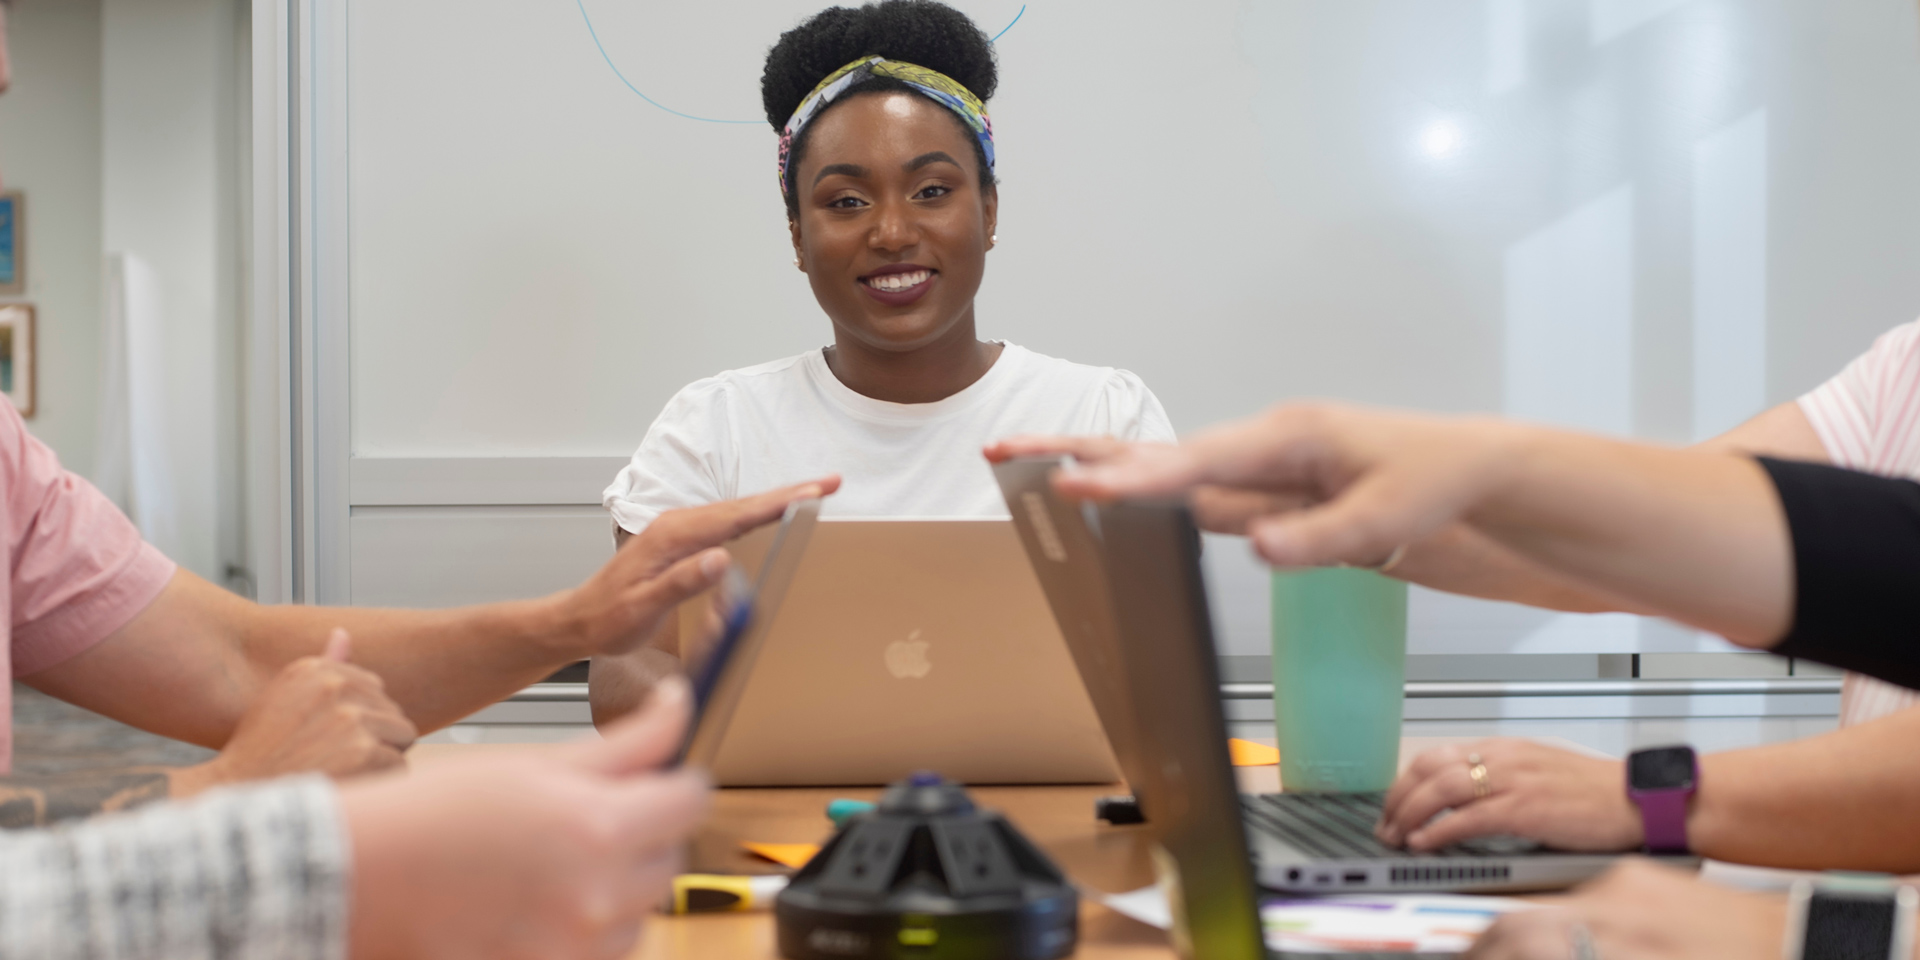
<point>719,893</point>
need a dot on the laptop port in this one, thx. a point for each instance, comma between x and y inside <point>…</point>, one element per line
<point>1355,876</point>
<point>1293,875</point>
<point>1324,879</point>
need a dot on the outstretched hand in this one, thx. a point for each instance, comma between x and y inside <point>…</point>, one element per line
<point>555,852</point>
<point>1311,485</point>
<point>1216,509</point>
<point>676,557</point>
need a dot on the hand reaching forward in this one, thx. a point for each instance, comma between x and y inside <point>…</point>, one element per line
<point>535,853</point>
<point>1215,508</point>
<point>1310,485</point>
<point>676,557</point>
<point>318,714</point>
<point>1642,911</point>
<point>1557,797</point>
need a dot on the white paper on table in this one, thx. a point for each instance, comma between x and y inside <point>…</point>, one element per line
<point>1147,905</point>
<point>1414,923</point>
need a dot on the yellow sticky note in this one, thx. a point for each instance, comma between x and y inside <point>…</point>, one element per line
<point>793,855</point>
<point>1246,753</point>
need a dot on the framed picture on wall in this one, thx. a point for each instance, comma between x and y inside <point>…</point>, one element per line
<point>13,245</point>
<point>16,355</point>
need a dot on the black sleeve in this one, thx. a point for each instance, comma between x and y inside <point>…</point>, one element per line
<point>1856,569</point>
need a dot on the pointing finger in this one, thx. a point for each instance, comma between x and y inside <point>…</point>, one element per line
<point>1084,449</point>
<point>1140,470</point>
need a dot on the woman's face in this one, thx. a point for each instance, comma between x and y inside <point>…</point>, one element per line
<point>893,228</point>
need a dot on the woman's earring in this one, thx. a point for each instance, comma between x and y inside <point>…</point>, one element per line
<point>993,238</point>
<point>796,261</point>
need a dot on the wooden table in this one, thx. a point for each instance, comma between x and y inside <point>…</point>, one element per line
<point>1097,856</point>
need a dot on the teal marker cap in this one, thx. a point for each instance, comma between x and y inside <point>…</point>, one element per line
<point>839,810</point>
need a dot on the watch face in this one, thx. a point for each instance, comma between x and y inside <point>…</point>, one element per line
<point>1668,768</point>
<point>1842,927</point>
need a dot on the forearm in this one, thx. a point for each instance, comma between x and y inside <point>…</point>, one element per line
<point>194,661</point>
<point>438,665</point>
<point>1695,537</point>
<point>1843,800</point>
<point>1459,559</point>
<point>252,873</point>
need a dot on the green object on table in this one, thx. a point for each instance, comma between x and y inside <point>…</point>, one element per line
<point>1339,672</point>
<point>839,810</point>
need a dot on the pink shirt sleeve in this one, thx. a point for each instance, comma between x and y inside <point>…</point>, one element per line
<point>1868,415</point>
<point>79,569</point>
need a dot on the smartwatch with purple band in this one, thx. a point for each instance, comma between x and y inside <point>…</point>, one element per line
<point>1660,781</point>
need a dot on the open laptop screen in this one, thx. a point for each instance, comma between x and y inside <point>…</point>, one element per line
<point>1166,642</point>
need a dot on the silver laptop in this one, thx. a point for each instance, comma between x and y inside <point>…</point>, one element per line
<point>1163,640</point>
<point>910,644</point>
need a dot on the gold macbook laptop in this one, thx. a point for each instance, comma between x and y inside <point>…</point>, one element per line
<point>911,644</point>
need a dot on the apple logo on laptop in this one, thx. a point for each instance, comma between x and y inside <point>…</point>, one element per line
<point>907,659</point>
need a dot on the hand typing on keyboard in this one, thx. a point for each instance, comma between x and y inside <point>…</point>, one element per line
<point>1555,797</point>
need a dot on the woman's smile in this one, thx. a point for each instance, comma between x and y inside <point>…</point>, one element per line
<point>899,284</point>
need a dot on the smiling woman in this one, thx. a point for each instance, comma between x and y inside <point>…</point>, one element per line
<point>886,165</point>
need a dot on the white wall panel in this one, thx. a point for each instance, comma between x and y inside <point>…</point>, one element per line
<point>450,556</point>
<point>1569,319</point>
<point>1730,276</point>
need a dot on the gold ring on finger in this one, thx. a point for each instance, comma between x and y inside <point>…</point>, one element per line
<point>1477,772</point>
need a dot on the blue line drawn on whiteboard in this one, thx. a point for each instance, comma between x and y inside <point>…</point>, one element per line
<point>1010,23</point>
<point>595,34</point>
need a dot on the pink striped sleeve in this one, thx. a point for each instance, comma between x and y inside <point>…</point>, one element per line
<point>1867,414</point>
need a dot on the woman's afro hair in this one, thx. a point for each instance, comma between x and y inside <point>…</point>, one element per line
<point>923,32</point>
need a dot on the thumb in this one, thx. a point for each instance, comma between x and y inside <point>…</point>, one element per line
<point>1364,523</point>
<point>648,738</point>
<point>339,646</point>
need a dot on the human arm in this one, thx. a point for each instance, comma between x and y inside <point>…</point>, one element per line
<point>1693,536</point>
<point>1841,800</point>
<point>546,852</point>
<point>1458,558</point>
<point>538,853</point>
<point>320,714</point>
<point>249,872</point>
<point>438,665</point>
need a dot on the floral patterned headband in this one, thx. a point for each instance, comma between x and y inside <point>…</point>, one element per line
<point>942,88</point>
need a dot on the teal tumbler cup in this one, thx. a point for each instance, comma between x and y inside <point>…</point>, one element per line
<point>1339,669</point>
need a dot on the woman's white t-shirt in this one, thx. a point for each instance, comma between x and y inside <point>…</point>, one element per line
<point>757,428</point>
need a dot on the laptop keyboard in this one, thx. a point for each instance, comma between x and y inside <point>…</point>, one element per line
<point>1332,826</point>
<point>1339,826</point>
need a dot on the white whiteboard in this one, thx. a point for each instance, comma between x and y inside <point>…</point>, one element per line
<point>1538,207</point>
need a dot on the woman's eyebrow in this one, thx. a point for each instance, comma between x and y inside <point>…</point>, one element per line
<point>849,169</point>
<point>926,158</point>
